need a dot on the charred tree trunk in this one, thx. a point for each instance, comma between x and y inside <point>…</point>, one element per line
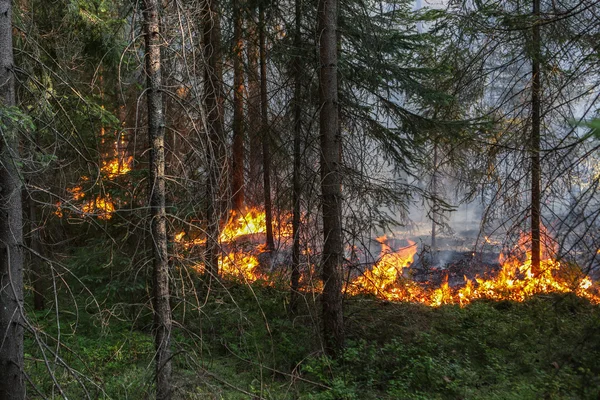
<point>237,160</point>
<point>213,81</point>
<point>297,185</point>
<point>535,142</point>
<point>254,110</point>
<point>12,382</point>
<point>158,218</point>
<point>331,179</point>
<point>266,133</point>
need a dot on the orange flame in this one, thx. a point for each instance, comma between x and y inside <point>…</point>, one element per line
<point>515,281</point>
<point>384,275</point>
<point>386,279</point>
<point>240,261</point>
<point>102,207</point>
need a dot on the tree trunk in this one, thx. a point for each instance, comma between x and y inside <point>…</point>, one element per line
<point>213,82</point>
<point>331,180</point>
<point>238,110</point>
<point>434,203</point>
<point>535,142</point>
<point>156,137</point>
<point>266,136</point>
<point>254,111</point>
<point>12,383</point>
<point>35,243</point>
<point>297,185</point>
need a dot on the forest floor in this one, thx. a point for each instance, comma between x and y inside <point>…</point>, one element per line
<point>242,344</point>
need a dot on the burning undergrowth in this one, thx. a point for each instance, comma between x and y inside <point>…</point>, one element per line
<point>403,270</point>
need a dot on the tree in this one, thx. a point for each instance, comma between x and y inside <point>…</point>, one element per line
<point>254,108</point>
<point>296,184</point>
<point>237,157</point>
<point>331,179</point>
<point>158,218</point>
<point>535,140</point>
<point>265,128</point>
<point>12,380</point>
<point>213,100</point>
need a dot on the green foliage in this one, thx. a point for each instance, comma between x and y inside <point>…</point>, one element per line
<point>107,272</point>
<point>540,349</point>
<point>12,119</point>
<point>243,338</point>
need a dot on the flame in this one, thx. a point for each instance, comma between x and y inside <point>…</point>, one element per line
<point>252,221</point>
<point>240,260</point>
<point>240,265</point>
<point>515,281</point>
<point>386,279</point>
<point>384,274</point>
<point>76,192</point>
<point>102,207</point>
<point>116,166</point>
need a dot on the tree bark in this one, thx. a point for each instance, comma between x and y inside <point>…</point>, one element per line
<point>12,383</point>
<point>158,228</point>
<point>331,180</point>
<point>535,142</point>
<point>237,160</point>
<point>266,133</point>
<point>434,203</point>
<point>35,243</point>
<point>213,82</point>
<point>254,111</point>
<point>297,184</point>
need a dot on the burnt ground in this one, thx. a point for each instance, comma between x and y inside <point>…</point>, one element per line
<point>454,266</point>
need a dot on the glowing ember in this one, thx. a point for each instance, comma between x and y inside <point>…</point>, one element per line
<point>76,192</point>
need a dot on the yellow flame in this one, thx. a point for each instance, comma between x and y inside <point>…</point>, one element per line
<point>515,281</point>
<point>117,166</point>
<point>102,207</point>
<point>384,274</point>
<point>239,265</point>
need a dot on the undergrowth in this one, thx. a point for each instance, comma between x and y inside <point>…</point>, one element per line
<point>242,343</point>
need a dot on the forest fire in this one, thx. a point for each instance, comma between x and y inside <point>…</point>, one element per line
<point>514,282</point>
<point>389,278</point>
<point>239,258</point>
<point>382,278</point>
<point>102,206</point>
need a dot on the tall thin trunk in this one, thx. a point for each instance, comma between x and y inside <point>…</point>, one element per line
<point>213,82</point>
<point>158,217</point>
<point>238,109</point>
<point>12,382</point>
<point>535,142</point>
<point>434,208</point>
<point>331,179</point>
<point>254,110</point>
<point>297,185</point>
<point>266,133</point>
<point>35,244</point>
